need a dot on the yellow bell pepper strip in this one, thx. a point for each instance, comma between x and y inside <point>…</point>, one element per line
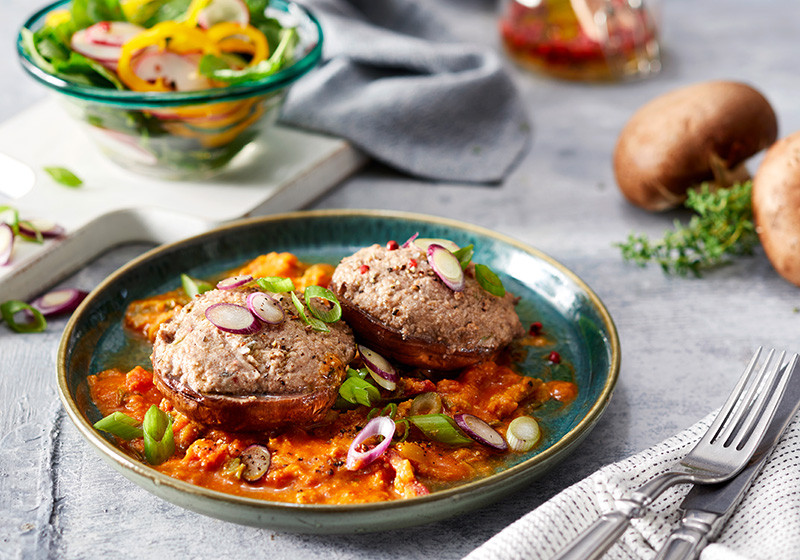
<point>176,36</point>
<point>194,10</point>
<point>229,37</point>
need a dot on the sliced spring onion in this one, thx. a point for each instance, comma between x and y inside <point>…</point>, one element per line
<point>464,255</point>
<point>380,427</point>
<point>194,287</point>
<point>36,322</point>
<point>389,410</point>
<point>446,266</point>
<point>315,323</point>
<point>29,232</point>
<point>440,427</point>
<point>321,311</point>
<point>523,433</point>
<point>263,306</point>
<point>359,391</point>
<point>63,176</point>
<point>256,460</point>
<point>234,282</point>
<point>9,215</point>
<point>276,284</point>
<point>489,281</point>
<point>426,403</point>
<point>379,368</point>
<point>232,318</point>
<point>121,425</point>
<point>40,228</point>
<point>159,441</point>
<point>480,431</point>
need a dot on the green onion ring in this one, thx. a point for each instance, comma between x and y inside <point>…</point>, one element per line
<point>326,315</point>
<point>440,427</point>
<point>315,323</point>
<point>276,284</point>
<point>120,425</point>
<point>10,308</point>
<point>159,442</point>
<point>489,281</point>
<point>194,287</point>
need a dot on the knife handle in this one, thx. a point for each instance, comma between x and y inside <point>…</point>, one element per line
<point>686,542</point>
<point>593,542</point>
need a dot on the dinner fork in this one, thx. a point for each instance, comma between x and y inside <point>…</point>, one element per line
<point>721,453</point>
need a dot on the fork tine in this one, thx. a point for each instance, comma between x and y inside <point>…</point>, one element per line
<point>746,405</point>
<point>730,405</point>
<point>750,437</point>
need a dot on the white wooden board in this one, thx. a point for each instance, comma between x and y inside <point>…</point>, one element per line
<point>283,172</point>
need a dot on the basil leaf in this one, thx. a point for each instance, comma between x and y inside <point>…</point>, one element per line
<point>64,176</point>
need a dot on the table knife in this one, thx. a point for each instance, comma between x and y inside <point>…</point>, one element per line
<point>707,507</point>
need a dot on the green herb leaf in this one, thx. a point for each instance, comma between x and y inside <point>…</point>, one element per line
<point>464,255</point>
<point>325,315</point>
<point>120,425</point>
<point>217,68</point>
<point>355,390</point>
<point>89,12</point>
<point>489,281</point>
<point>159,442</point>
<point>9,310</point>
<point>64,176</point>
<point>721,228</point>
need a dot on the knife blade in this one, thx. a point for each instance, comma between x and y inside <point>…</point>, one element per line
<point>707,507</point>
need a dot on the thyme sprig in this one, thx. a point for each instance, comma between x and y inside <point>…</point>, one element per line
<point>721,228</point>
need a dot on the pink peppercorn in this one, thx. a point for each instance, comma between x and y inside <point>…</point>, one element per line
<point>554,357</point>
<point>364,269</point>
<point>392,245</point>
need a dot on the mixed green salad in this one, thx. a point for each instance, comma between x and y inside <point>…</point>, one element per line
<point>166,46</point>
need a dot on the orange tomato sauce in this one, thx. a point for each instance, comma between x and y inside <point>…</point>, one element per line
<point>308,463</point>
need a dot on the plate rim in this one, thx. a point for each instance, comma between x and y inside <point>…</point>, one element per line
<point>143,473</point>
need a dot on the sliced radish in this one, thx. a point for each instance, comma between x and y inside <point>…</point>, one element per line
<point>232,318</point>
<point>265,308</point>
<point>480,431</point>
<point>219,11</point>
<point>177,70</point>
<point>256,460</point>
<point>45,228</point>
<point>234,282</point>
<point>6,243</point>
<point>446,267</point>
<point>59,301</point>
<point>103,41</point>
<point>112,33</point>
<point>379,368</point>
<point>425,242</point>
<point>378,426</point>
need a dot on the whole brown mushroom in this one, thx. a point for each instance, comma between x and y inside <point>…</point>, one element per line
<point>776,206</point>
<point>703,132</point>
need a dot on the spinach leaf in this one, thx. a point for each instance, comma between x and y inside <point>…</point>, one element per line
<point>88,12</point>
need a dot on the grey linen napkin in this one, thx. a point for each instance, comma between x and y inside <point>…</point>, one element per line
<point>394,83</point>
<point>765,526</point>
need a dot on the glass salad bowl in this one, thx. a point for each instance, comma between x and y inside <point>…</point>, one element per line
<point>173,92</point>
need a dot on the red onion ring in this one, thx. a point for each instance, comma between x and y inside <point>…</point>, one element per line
<point>59,301</point>
<point>256,460</point>
<point>480,431</point>
<point>265,307</point>
<point>45,228</point>
<point>6,244</point>
<point>234,282</point>
<point>379,367</point>
<point>446,266</point>
<point>425,242</point>
<point>409,241</point>
<point>380,425</point>
<point>232,318</point>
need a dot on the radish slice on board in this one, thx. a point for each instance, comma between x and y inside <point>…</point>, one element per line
<point>219,11</point>
<point>6,243</point>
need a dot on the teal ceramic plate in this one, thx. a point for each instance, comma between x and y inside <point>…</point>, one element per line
<point>549,293</point>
